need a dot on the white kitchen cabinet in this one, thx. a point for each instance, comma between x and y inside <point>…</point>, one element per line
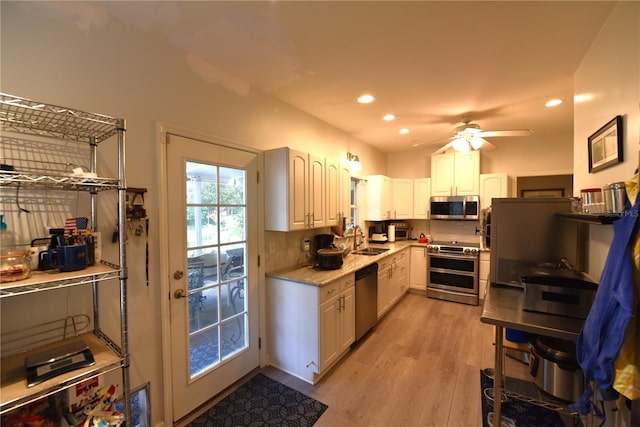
<point>294,190</point>
<point>332,172</point>
<point>384,286</point>
<point>337,325</point>
<point>379,198</point>
<point>455,174</point>
<point>419,268</point>
<point>338,191</point>
<point>310,327</point>
<point>393,280</point>
<point>344,205</point>
<point>40,139</point>
<point>402,205</point>
<point>494,185</point>
<point>401,273</point>
<point>483,275</point>
<point>421,196</point>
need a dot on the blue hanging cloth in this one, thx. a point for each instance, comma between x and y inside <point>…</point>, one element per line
<point>602,334</point>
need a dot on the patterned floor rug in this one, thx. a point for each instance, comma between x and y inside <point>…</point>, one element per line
<point>524,414</point>
<point>262,401</point>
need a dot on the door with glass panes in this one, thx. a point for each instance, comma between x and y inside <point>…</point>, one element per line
<point>212,193</point>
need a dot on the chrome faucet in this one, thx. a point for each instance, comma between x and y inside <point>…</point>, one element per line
<point>355,238</point>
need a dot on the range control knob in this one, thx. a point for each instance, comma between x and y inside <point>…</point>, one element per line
<point>474,251</point>
<point>467,251</point>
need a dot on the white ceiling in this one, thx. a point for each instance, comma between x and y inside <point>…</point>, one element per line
<point>429,63</point>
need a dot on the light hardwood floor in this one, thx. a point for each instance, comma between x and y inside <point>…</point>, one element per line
<point>419,366</point>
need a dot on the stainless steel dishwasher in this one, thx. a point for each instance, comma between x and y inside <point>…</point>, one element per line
<point>366,299</point>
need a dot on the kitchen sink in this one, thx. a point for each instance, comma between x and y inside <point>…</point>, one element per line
<point>370,251</point>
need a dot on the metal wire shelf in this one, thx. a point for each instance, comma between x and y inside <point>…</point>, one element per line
<point>44,281</point>
<point>26,116</point>
<point>62,182</point>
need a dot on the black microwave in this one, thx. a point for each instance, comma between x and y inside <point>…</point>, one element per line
<point>465,208</point>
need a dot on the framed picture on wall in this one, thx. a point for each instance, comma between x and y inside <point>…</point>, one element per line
<point>605,146</point>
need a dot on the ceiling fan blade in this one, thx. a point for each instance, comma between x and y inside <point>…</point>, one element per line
<point>512,132</point>
<point>487,146</point>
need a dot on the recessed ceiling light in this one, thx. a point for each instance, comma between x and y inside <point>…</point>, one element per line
<point>404,131</point>
<point>389,117</point>
<point>365,99</point>
<point>553,103</point>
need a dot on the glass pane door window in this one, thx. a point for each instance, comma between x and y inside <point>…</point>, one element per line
<point>216,253</point>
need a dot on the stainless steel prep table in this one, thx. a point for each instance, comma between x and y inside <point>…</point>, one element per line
<point>503,307</point>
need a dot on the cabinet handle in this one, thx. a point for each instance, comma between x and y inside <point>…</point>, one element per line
<point>342,298</point>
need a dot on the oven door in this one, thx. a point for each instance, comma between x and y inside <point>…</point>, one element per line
<point>453,273</point>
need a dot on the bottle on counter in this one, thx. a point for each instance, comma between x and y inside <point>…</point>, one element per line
<point>7,238</point>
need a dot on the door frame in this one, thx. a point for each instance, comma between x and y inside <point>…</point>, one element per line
<point>162,129</point>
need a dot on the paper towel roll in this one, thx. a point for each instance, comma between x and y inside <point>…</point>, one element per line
<point>391,233</point>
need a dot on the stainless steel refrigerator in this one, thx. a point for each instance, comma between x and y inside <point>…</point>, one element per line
<point>527,232</point>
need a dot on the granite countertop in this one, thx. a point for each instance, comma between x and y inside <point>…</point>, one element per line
<point>309,275</point>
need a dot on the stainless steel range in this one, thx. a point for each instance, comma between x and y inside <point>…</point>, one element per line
<point>452,271</point>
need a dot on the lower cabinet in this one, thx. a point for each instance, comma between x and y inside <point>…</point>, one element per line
<point>483,275</point>
<point>418,268</point>
<point>309,327</point>
<point>393,280</point>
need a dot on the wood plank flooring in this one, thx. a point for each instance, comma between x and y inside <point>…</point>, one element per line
<point>420,366</point>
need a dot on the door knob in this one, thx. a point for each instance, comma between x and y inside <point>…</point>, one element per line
<point>179,293</point>
<point>178,274</point>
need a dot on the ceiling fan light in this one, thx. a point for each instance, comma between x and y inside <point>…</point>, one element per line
<point>476,143</point>
<point>460,144</point>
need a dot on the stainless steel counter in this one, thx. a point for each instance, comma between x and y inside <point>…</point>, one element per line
<point>503,307</point>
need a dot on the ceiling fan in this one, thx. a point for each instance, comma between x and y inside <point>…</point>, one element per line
<point>469,136</point>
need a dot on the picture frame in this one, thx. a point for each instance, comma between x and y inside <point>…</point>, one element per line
<point>605,146</point>
<point>547,192</point>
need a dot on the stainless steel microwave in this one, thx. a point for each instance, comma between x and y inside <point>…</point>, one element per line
<point>465,208</point>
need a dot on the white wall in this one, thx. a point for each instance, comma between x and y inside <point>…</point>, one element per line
<point>71,54</point>
<point>610,75</point>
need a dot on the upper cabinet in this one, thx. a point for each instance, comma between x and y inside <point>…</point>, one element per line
<point>294,190</point>
<point>379,198</point>
<point>402,198</point>
<point>338,190</point>
<point>344,205</point>
<point>421,196</point>
<point>494,185</point>
<point>455,174</point>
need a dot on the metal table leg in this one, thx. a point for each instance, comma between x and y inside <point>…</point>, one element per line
<point>498,378</point>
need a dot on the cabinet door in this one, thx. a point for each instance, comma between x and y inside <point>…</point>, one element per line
<point>378,198</point>
<point>316,192</point>
<point>402,198</point>
<point>442,174</point>
<point>329,332</point>
<point>493,185</point>
<point>384,284</point>
<point>483,275</point>
<point>333,192</point>
<point>348,318</point>
<point>401,273</point>
<point>344,206</point>
<point>421,196</point>
<point>419,268</point>
<point>298,190</point>
<point>467,173</point>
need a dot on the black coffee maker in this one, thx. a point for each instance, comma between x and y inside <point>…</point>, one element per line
<point>321,241</point>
